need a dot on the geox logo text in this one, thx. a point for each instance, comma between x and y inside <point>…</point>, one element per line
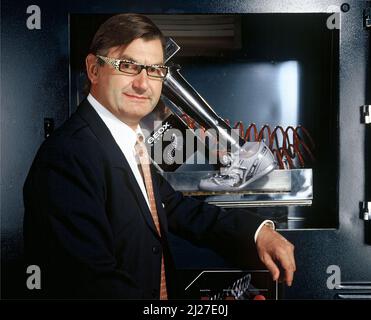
<point>158,133</point>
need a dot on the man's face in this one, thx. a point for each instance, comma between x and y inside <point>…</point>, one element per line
<point>129,97</point>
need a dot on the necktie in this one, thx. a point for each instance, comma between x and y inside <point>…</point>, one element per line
<point>144,161</point>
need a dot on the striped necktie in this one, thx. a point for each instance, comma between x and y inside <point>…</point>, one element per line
<point>144,161</point>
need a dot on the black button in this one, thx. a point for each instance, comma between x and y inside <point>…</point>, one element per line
<point>155,249</point>
<point>154,293</point>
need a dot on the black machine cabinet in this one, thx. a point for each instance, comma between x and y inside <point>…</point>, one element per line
<point>278,62</point>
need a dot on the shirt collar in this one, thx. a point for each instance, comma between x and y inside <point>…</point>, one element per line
<point>119,130</point>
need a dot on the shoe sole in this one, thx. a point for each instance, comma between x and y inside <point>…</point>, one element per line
<point>264,172</point>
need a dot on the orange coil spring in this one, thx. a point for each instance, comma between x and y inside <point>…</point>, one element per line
<point>292,147</point>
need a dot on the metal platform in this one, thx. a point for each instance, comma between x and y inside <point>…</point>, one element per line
<point>279,188</point>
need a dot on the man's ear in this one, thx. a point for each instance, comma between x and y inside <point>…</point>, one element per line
<point>92,68</point>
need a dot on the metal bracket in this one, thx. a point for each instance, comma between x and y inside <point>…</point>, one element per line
<point>366,114</point>
<point>367,18</point>
<point>171,48</point>
<point>48,127</point>
<point>366,210</point>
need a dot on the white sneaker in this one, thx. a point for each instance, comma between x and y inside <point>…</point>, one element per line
<point>254,162</point>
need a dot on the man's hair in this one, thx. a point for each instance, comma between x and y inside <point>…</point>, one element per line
<point>120,30</point>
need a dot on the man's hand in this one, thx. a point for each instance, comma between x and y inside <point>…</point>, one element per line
<point>273,248</point>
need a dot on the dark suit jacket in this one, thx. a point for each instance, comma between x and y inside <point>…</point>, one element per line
<point>87,224</point>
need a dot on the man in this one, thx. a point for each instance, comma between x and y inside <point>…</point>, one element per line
<point>96,222</point>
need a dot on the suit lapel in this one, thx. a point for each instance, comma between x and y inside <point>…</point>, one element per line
<point>117,158</point>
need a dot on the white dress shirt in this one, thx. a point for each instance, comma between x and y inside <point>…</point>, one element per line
<point>126,138</point>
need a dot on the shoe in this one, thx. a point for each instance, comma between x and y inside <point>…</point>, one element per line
<point>253,162</point>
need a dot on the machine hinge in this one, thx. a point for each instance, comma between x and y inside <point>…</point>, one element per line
<point>366,210</point>
<point>367,18</point>
<point>366,114</point>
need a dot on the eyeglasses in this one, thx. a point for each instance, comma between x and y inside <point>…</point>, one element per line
<point>134,68</point>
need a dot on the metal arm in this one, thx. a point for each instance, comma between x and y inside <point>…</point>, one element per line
<point>182,94</point>
<point>247,162</point>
